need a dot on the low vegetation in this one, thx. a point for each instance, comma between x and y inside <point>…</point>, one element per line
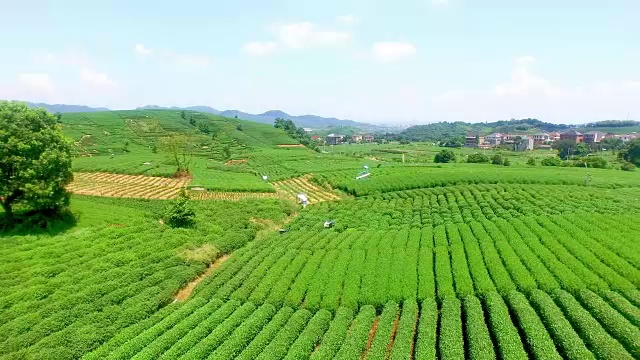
<point>422,258</point>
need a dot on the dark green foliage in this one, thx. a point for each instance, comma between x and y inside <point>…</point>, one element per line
<point>631,152</point>
<point>204,128</point>
<point>297,133</point>
<point>444,131</point>
<point>506,162</point>
<point>180,214</point>
<point>569,148</point>
<point>551,161</point>
<point>591,162</point>
<point>445,156</point>
<point>477,158</point>
<point>627,166</point>
<point>35,160</point>
<point>531,161</point>
<point>497,159</point>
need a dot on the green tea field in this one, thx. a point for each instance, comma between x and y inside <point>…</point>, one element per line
<point>416,260</point>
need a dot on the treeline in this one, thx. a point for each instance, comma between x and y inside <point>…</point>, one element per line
<point>613,123</point>
<point>445,131</point>
<point>297,133</point>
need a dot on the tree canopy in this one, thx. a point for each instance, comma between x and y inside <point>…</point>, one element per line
<point>35,159</point>
<point>631,152</point>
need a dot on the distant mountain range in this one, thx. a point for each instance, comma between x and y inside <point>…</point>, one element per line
<point>308,121</point>
<point>62,108</point>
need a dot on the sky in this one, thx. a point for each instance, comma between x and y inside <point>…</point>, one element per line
<point>378,61</point>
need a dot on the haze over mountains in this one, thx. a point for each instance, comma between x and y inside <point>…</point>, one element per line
<point>311,121</point>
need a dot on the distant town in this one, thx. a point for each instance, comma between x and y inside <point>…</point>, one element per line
<point>524,142</point>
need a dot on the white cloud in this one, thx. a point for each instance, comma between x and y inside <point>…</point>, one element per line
<point>168,55</point>
<point>257,48</point>
<point>304,34</point>
<point>70,57</point>
<point>297,36</point>
<point>346,19</point>
<point>524,81</point>
<point>193,60</point>
<point>39,84</point>
<point>96,78</point>
<point>439,2</point>
<point>392,51</point>
<point>141,50</point>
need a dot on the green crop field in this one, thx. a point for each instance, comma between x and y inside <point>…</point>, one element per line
<point>424,261</point>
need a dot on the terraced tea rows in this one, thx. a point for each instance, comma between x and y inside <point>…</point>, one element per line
<point>230,196</point>
<point>302,185</point>
<point>64,294</point>
<point>475,271</point>
<point>126,186</point>
<point>397,178</point>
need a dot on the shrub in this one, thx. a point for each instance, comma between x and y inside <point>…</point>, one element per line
<point>179,214</point>
<point>497,159</point>
<point>445,156</point>
<point>591,162</point>
<point>627,166</point>
<point>506,162</point>
<point>531,161</point>
<point>551,161</point>
<point>477,158</point>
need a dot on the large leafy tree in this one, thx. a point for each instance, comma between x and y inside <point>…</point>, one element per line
<point>631,152</point>
<point>35,159</point>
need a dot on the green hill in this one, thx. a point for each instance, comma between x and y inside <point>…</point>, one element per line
<point>131,142</point>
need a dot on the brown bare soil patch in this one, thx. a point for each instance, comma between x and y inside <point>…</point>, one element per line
<point>185,292</point>
<point>290,145</point>
<point>290,189</point>
<point>236,162</point>
<point>197,194</point>
<point>206,252</point>
<point>126,186</point>
<point>372,333</point>
<point>394,331</point>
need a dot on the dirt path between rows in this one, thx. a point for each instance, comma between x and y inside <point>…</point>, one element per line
<point>185,292</point>
<point>372,333</point>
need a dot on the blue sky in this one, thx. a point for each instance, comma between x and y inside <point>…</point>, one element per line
<point>401,61</point>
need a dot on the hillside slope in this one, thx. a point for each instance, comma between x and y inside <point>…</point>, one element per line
<point>133,142</point>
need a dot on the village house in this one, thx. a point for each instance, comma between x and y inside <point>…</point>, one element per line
<point>356,138</point>
<point>628,137</point>
<point>473,140</point>
<point>494,139</point>
<point>553,136</point>
<point>524,143</point>
<point>540,139</point>
<point>368,138</point>
<point>334,139</point>
<point>572,135</point>
<point>593,137</point>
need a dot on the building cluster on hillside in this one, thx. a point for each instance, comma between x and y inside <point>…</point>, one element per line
<point>522,142</point>
<point>335,139</point>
